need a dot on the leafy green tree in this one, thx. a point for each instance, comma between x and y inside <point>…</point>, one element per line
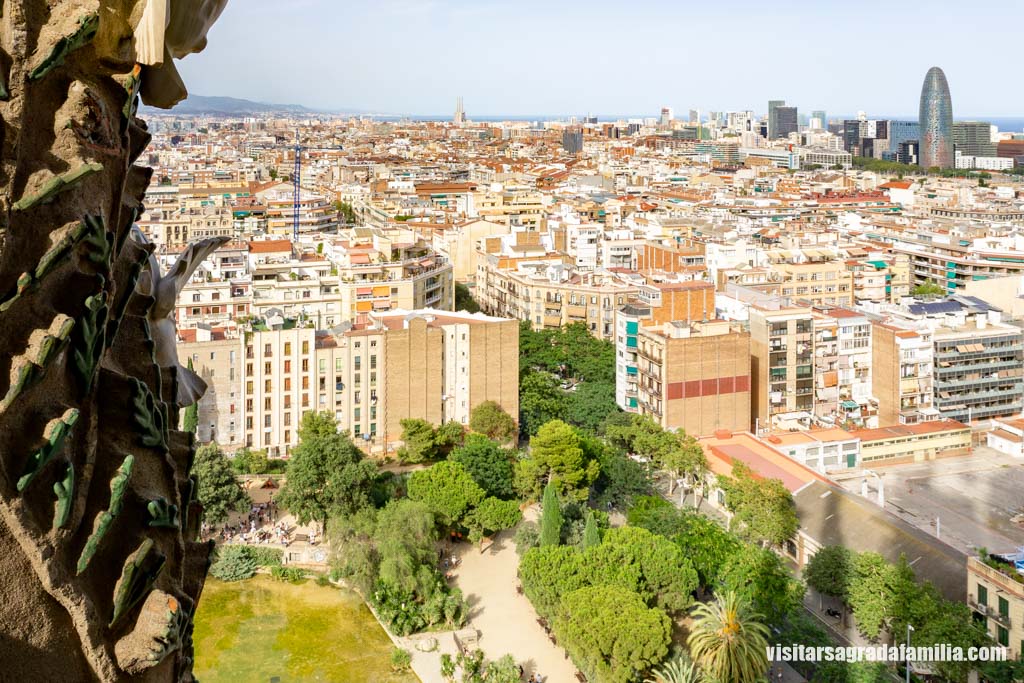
<point>547,573</point>
<point>590,404</point>
<point>763,509</point>
<point>710,547</point>
<point>591,534</point>
<point>233,563</point>
<point>491,420</point>
<point>449,436</point>
<point>327,474</point>
<point>447,489</point>
<point>870,593</point>
<point>929,289</point>
<point>551,517</point>
<point>218,489</point>
<point>355,554</point>
<point>406,539</point>
<point>828,571</point>
<point>761,579</point>
<point>489,464</point>
<point>686,457</point>
<point>401,660</point>
<point>729,641</point>
<point>852,672</point>
<point>419,441</point>
<point>621,480</point>
<point>664,575</point>
<point>540,401</point>
<point>493,515</point>
<point>656,514</point>
<point>527,536</point>
<point>250,461</point>
<point>557,455</point>
<point>464,300</point>
<point>611,634</point>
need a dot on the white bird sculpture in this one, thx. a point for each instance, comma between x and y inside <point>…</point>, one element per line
<point>165,290</point>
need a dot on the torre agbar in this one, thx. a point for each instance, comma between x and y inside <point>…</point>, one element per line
<point>936,121</point>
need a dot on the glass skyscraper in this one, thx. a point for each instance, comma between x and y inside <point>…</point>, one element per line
<point>936,119</point>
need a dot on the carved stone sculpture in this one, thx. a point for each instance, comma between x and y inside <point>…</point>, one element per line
<point>100,569</point>
<point>165,290</point>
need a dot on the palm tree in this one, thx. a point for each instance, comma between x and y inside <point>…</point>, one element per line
<point>728,640</point>
<point>679,669</point>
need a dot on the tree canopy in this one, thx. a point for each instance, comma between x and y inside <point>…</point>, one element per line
<point>447,489</point>
<point>729,640</point>
<point>611,634</point>
<point>560,455</point>
<point>828,571</point>
<point>489,464</point>
<point>327,474</point>
<point>218,490</point>
<point>491,420</point>
<point>762,509</point>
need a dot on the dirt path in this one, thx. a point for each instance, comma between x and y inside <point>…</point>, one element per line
<point>506,620</point>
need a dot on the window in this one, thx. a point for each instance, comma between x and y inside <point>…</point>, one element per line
<point>266,403</point>
<point>1004,607</point>
<point>357,363</point>
<point>982,595</point>
<point>305,365</point>
<point>1002,636</point>
<point>266,386</point>
<point>305,347</point>
<point>305,382</point>
<point>248,387</point>
<point>323,365</point>
<point>287,348</point>
<point>337,365</point>
<point>267,350</point>
<point>287,383</point>
<point>355,414</point>
<point>373,361</point>
<point>266,368</point>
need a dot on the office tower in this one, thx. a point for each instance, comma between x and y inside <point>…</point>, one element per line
<point>694,115</point>
<point>936,118</point>
<point>820,116</point>
<point>973,138</point>
<point>786,121</point>
<point>772,106</point>
<point>901,132</point>
<point>666,116</point>
<point>460,113</point>
<point>572,140</point>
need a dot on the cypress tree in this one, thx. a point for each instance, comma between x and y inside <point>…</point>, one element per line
<point>591,535</point>
<point>551,517</point>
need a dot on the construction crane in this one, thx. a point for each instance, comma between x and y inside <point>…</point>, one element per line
<point>297,180</point>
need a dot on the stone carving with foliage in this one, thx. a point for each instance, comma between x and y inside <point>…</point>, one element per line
<point>100,569</point>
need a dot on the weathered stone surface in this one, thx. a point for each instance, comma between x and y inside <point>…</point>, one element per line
<point>99,570</point>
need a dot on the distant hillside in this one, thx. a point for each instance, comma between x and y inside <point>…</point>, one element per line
<point>202,104</point>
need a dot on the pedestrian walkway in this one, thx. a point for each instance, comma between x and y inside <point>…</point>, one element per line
<point>505,619</point>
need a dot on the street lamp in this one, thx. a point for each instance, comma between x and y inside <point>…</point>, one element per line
<point>910,629</point>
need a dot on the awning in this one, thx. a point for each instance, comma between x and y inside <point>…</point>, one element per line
<point>364,291</point>
<point>850,405</point>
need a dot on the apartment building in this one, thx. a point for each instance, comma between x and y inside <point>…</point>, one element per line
<point>346,282</point>
<point>316,215</point>
<point>551,295</point>
<point>458,243</point>
<point>995,593</point>
<point>215,354</point>
<point>902,374</point>
<point>821,279</point>
<point>428,364</point>
<point>782,364</point>
<point>693,376</point>
<point>979,370</point>
<point>842,368</point>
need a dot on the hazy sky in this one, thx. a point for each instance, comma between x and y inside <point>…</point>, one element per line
<point>623,57</point>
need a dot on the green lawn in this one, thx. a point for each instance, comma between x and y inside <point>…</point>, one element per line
<point>261,628</point>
